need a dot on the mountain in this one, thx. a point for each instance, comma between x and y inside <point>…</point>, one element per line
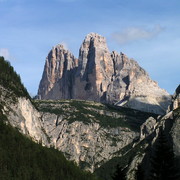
<point>98,137</point>
<point>102,76</point>
<point>58,76</point>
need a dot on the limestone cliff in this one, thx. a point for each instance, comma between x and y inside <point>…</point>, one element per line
<point>23,115</point>
<point>101,76</point>
<point>95,69</point>
<point>58,77</point>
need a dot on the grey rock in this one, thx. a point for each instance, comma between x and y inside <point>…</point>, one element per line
<point>22,114</point>
<point>147,127</point>
<point>58,75</point>
<point>95,69</point>
<point>100,76</point>
<point>86,142</point>
<point>132,87</point>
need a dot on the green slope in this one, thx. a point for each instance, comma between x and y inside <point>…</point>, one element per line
<point>10,80</point>
<point>107,116</point>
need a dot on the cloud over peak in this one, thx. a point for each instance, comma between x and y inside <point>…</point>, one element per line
<point>133,33</point>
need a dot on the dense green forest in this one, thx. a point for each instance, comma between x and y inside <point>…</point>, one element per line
<point>22,159</point>
<point>10,80</point>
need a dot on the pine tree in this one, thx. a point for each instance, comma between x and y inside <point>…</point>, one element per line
<point>163,165</point>
<point>119,174</point>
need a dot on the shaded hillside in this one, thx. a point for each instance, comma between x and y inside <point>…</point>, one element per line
<point>10,80</point>
<point>22,159</point>
<point>155,157</point>
<point>108,169</point>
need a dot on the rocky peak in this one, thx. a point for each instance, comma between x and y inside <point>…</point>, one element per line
<point>100,76</point>
<point>92,52</point>
<point>95,68</point>
<point>57,71</point>
<point>60,56</point>
<point>96,40</point>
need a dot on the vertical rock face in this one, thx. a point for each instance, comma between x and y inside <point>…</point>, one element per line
<point>57,79</point>
<point>95,69</point>
<point>23,115</point>
<point>100,76</point>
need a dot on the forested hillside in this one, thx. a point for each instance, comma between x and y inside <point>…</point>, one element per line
<point>10,80</point>
<point>22,159</point>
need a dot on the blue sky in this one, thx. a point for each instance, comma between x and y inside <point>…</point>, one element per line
<point>145,30</point>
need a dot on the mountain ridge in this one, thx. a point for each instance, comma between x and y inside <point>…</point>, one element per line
<point>102,76</point>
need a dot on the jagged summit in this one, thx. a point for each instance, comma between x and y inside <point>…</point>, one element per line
<point>95,39</point>
<point>60,46</point>
<point>94,36</point>
<point>102,76</point>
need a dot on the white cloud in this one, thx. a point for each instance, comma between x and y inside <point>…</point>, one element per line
<point>134,33</point>
<point>5,53</point>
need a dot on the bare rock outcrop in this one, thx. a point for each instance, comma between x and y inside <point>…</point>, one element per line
<point>87,144</point>
<point>101,76</point>
<point>95,69</point>
<point>89,133</point>
<point>58,75</point>
<point>23,115</point>
<point>147,127</point>
<point>132,87</point>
